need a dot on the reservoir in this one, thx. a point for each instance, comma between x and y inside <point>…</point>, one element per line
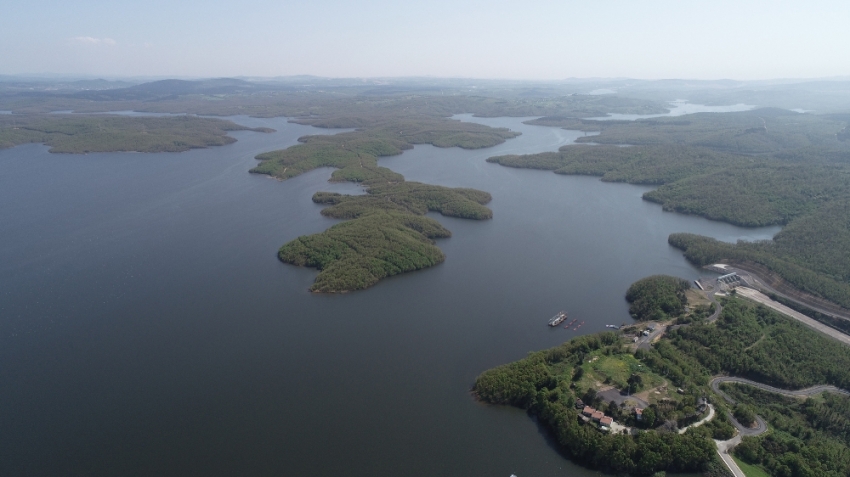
<point>147,327</point>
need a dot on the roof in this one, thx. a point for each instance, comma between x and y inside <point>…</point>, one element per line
<point>588,410</point>
<point>597,415</point>
<point>606,421</point>
<point>638,411</point>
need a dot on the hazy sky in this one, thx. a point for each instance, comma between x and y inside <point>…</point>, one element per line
<point>457,38</point>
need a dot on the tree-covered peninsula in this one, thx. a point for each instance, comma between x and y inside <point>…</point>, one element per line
<point>659,297</point>
<point>755,168</point>
<point>81,134</point>
<point>654,397</point>
<point>385,232</point>
<point>355,154</point>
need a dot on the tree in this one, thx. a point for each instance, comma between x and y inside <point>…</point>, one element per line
<point>635,383</point>
<point>749,450</point>
<point>589,396</point>
<point>744,414</point>
<point>613,409</point>
<point>648,418</point>
<point>579,372</point>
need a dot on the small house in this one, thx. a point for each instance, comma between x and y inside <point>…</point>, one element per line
<point>597,415</point>
<point>606,421</point>
<point>588,411</point>
<point>639,413</point>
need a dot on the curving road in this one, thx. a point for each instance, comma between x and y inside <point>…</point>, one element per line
<point>716,382</point>
<point>723,447</point>
<point>760,424</point>
<point>702,421</point>
<point>717,308</point>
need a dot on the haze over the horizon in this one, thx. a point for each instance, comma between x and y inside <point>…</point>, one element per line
<point>539,40</point>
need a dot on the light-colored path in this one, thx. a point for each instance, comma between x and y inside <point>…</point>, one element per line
<point>723,450</point>
<point>702,421</point>
<point>760,297</point>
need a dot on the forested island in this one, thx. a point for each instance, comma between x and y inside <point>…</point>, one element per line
<point>652,395</point>
<point>385,233</point>
<point>754,168</point>
<point>80,134</point>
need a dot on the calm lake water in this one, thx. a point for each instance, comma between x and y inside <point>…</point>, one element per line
<point>147,328</point>
<point>680,108</point>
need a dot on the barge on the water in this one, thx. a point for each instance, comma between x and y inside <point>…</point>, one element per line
<point>558,319</point>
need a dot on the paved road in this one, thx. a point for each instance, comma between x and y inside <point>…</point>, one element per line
<point>717,308</point>
<point>761,426</point>
<point>702,421</point>
<point>814,390</point>
<point>757,282</point>
<point>645,342</point>
<point>614,394</point>
<point>759,297</point>
<point>723,448</point>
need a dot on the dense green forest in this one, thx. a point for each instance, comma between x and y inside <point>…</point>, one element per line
<point>777,257</point>
<point>327,106</point>
<point>754,168</point>
<point>757,131</point>
<point>101,133</point>
<point>748,340</point>
<point>754,342</point>
<point>350,256</point>
<point>355,154</point>
<point>541,383</point>
<point>410,197</point>
<point>386,233</point>
<point>659,297</point>
<point>808,438</point>
<point>357,253</point>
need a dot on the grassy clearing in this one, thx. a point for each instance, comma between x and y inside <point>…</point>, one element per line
<point>696,298</point>
<point>615,370</point>
<point>751,470</point>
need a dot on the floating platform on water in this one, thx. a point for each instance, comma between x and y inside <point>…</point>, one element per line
<point>558,319</point>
